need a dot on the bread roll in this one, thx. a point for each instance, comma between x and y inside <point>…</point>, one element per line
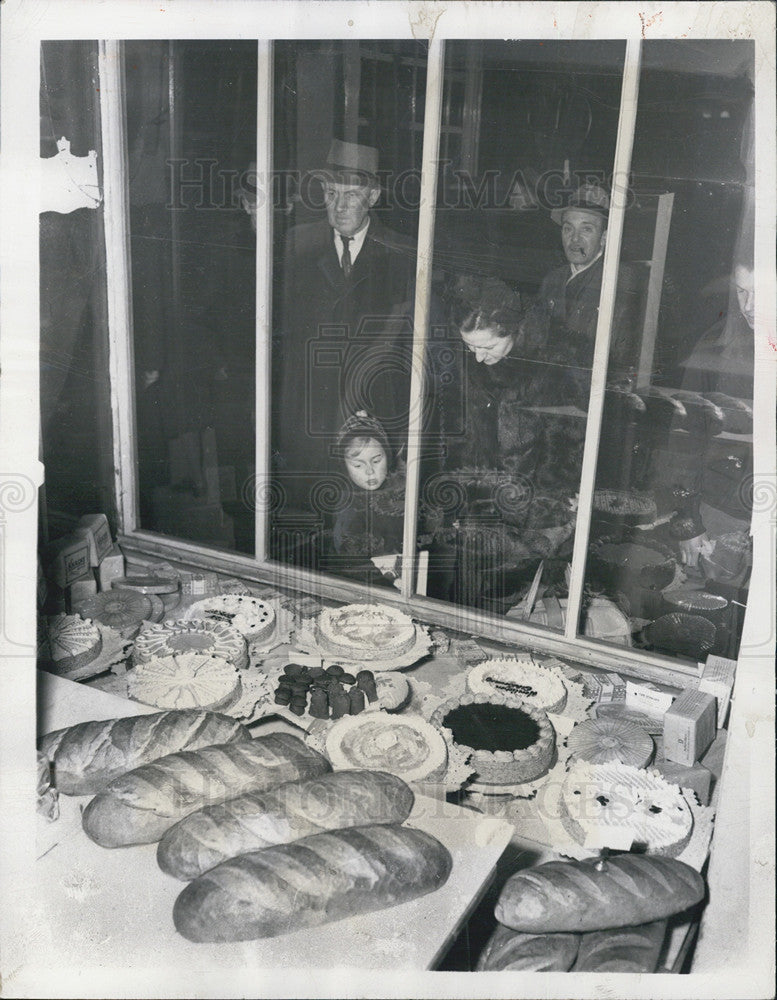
<point>139,806</point>
<point>626,949</point>
<point>87,756</point>
<point>569,896</point>
<point>278,816</point>
<point>315,880</point>
<point>509,949</point>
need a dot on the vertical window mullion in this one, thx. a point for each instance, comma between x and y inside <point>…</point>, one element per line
<point>264,260</point>
<point>118,277</point>
<point>627,118</point>
<point>421,314</point>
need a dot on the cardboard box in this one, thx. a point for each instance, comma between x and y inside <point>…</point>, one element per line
<point>94,527</point>
<point>642,696</point>
<point>717,679</point>
<point>111,568</point>
<point>697,778</point>
<point>68,560</point>
<point>618,687</point>
<point>689,726</point>
<point>592,687</point>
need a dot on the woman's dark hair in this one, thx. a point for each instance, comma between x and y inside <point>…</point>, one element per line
<point>478,303</point>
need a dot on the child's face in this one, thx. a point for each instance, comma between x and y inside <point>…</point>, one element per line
<point>367,465</point>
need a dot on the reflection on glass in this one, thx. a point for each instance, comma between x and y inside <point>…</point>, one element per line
<point>520,232</point>
<point>191,134</point>
<point>669,534</point>
<point>343,291</point>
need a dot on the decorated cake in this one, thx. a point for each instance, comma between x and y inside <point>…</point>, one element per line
<point>170,637</point>
<point>254,619</point>
<point>186,680</point>
<point>366,632</point>
<point>393,690</point>
<point>632,507</point>
<point>123,610</point>
<point>511,743</point>
<point>520,680</point>
<point>614,803</point>
<point>604,741</point>
<point>407,746</point>
<point>648,565</point>
<point>695,602</point>
<point>73,642</point>
<point>684,635</point>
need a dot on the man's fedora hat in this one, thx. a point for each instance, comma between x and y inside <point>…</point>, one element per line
<point>352,163</point>
<point>587,198</point>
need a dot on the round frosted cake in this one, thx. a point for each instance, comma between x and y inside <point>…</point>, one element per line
<point>254,619</point>
<point>197,636</point>
<point>520,680</point>
<point>122,610</point>
<point>604,801</point>
<point>73,641</point>
<point>188,680</point>
<point>408,746</point>
<point>604,741</point>
<point>366,632</point>
<point>511,743</point>
<point>633,507</point>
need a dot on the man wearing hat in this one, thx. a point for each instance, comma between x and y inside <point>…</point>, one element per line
<point>344,332</point>
<point>567,306</point>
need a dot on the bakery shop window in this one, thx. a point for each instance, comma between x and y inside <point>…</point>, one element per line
<point>466,321</point>
<point>510,348</point>
<point>190,135</point>
<point>669,539</point>
<point>346,144</point>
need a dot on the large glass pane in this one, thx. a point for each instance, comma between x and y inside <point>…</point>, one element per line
<point>348,115</point>
<point>514,321</point>
<point>76,443</point>
<point>669,538</point>
<point>191,135</point>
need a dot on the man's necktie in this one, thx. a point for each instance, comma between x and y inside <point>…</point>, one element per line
<point>345,261</point>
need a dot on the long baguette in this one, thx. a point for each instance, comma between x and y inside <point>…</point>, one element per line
<point>509,949</point>
<point>138,807</point>
<point>625,949</point>
<point>321,878</point>
<point>560,897</point>
<point>87,756</point>
<point>280,815</point>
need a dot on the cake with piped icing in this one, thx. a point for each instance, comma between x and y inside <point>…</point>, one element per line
<point>122,610</point>
<point>520,680</point>
<point>170,638</point>
<point>365,632</point>
<point>605,741</point>
<point>73,642</point>
<point>510,743</point>
<point>254,619</point>
<point>612,803</point>
<point>407,746</point>
<point>186,680</point>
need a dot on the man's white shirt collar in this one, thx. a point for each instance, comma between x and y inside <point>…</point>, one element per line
<point>357,242</point>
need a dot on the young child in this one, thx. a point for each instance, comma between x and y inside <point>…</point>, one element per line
<point>370,528</point>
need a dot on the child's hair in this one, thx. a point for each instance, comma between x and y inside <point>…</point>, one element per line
<point>353,443</point>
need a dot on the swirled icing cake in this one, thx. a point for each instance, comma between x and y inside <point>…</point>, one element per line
<point>197,636</point>
<point>520,680</point>
<point>610,801</point>
<point>73,641</point>
<point>187,680</point>
<point>254,619</point>
<point>366,631</point>
<point>404,745</point>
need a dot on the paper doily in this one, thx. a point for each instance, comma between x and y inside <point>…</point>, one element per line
<point>281,634</point>
<point>306,640</point>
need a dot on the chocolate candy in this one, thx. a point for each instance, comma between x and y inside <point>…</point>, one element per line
<point>319,704</point>
<point>356,699</point>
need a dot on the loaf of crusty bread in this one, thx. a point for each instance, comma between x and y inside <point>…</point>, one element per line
<point>569,896</point>
<point>625,949</point>
<point>324,877</point>
<point>139,806</point>
<point>509,949</point>
<point>86,757</point>
<point>280,815</point>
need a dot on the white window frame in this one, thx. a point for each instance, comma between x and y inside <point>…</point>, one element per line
<point>143,545</point>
